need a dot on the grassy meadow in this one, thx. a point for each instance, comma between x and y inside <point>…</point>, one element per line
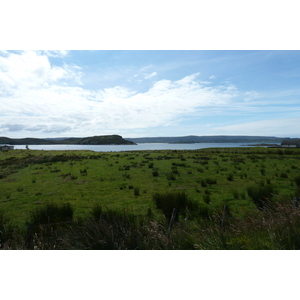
<point>225,198</point>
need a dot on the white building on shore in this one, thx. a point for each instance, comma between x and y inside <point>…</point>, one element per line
<point>6,147</point>
<point>291,143</point>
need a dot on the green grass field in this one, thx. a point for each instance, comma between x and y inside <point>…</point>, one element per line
<point>128,181</point>
<point>214,177</point>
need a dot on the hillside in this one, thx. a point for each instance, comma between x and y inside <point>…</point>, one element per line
<point>118,140</point>
<point>95,140</point>
<point>104,140</point>
<point>207,139</point>
<point>26,141</point>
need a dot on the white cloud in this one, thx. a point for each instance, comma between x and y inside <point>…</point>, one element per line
<point>30,70</point>
<point>41,98</point>
<point>149,76</point>
<point>283,127</point>
<point>57,53</point>
<point>37,98</point>
<point>251,95</point>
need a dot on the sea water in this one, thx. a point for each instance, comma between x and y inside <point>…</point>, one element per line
<point>142,146</point>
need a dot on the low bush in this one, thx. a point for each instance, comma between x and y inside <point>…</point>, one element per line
<point>297,180</point>
<point>261,195</point>
<point>52,213</point>
<point>155,173</point>
<point>97,211</point>
<point>178,200</point>
<point>136,191</point>
<point>230,177</point>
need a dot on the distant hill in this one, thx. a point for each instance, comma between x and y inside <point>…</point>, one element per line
<point>207,139</point>
<point>104,140</point>
<point>26,141</point>
<point>94,140</point>
<point>118,140</point>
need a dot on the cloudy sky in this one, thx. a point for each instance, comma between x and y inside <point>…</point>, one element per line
<point>149,93</point>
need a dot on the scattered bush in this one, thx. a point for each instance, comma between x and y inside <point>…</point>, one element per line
<point>211,181</point>
<point>155,173</point>
<point>283,175</point>
<point>179,200</point>
<point>206,198</point>
<point>230,177</point>
<point>97,211</point>
<point>83,172</point>
<point>261,195</point>
<point>136,191</point>
<point>297,180</point>
<point>203,183</point>
<point>171,176</point>
<point>52,213</point>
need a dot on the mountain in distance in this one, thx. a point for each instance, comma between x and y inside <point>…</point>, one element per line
<point>93,140</point>
<point>100,140</point>
<point>118,140</point>
<point>192,139</point>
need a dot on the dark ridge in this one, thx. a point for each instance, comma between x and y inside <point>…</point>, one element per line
<point>207,139</point>
<point>94,140</point>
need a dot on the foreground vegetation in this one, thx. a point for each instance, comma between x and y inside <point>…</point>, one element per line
<point>223,198</point>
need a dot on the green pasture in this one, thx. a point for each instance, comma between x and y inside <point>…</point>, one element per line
<point>128,180</point>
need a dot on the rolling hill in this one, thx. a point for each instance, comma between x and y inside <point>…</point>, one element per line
<point>208,139</point>
<point>94,140</point>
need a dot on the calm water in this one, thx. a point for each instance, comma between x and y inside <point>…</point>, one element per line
<point>146,146</point>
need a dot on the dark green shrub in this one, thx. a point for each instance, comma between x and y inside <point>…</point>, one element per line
<point>52,213</point>
<point>204,211</point>
<point>211,181</point>
<point>5,231</point>
<point>83,172</point>
<point>121,230</point>
<point>155,173</point>
<point>203,183</point>
<point>230,177</point>
<point>297,180</point>
<point>283,175</point>
<point>127,176</point>
<point>206,198</point>
<point>136,191</point>
<point>97,211</point>
<point>261,195</point>
<point>236,194</point>
<point>171,176</point>
<point>175,171</point>
<point>179,200</point>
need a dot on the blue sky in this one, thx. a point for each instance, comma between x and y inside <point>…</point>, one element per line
<point>149,93</point>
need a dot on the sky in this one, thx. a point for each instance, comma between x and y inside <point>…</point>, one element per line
<point>149,93</point>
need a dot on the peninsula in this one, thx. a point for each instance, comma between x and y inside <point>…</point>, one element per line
<point>94,140</point>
